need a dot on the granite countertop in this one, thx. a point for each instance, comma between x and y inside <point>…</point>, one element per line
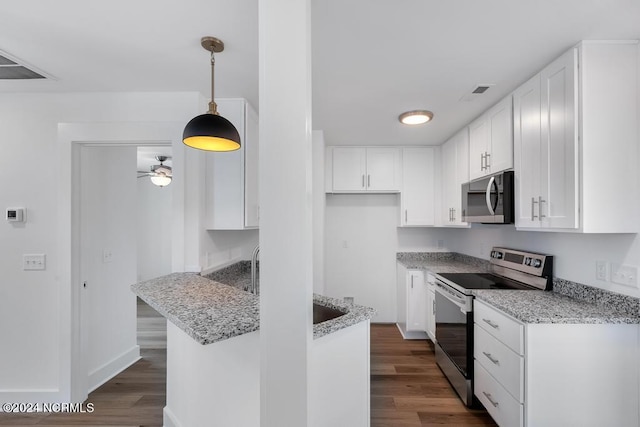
<point>533,307</point>
<point>442,262</point>
<point>210,311</point>
<point>568,303</point>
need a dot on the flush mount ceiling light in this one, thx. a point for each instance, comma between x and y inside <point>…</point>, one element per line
<point>416,117</point>
<point>211,131</point>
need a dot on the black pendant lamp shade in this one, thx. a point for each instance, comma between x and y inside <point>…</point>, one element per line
<point>210,131</point>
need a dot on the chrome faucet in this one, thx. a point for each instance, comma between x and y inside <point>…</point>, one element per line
<point>254,270</point>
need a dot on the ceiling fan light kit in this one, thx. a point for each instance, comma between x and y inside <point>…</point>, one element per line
<point>210,131</point>
<point>160,175</point>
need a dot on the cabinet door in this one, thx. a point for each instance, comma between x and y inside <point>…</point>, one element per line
<point>416,302</point>
<point>527,142</point>
<point>478,147</point>
<point>251,208</point>
<point>431,314</point>
<point>500,152</point>
<point>559,173</point>
<point>349,168</point>
<point>418,193</point>
<point>225,176</point>
<point>462,173</point>
<point>383,169</point>
<point>448,180</point>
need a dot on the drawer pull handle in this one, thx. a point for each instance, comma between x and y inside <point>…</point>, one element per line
<point>488,396</point>
<point>490,323</point>
<point>490,357</point>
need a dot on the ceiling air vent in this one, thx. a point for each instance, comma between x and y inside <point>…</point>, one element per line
<point>10,69</point>
<point>476,92</point>
<point>480,89</point>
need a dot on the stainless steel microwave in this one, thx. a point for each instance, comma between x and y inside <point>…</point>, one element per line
<point>489,200</point>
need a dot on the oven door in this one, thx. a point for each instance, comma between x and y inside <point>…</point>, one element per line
<point>454,326</point>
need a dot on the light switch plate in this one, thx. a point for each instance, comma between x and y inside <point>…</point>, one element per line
<point>624,275</point>
<point>34,262</point>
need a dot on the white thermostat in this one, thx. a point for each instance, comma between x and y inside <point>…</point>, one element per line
<point>16,214</point>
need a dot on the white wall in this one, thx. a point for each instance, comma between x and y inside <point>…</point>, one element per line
<point>153,229</point>
<point>366,268</point>
<point>223,247</point>
<point>30,307</point>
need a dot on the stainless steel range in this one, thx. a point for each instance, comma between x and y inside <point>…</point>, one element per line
<point>509,269</point>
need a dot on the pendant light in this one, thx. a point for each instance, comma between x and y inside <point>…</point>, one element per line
<point>211,131</point>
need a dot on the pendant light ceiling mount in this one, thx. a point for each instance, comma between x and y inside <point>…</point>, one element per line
<point>212,44</point>
<point>211,131</point>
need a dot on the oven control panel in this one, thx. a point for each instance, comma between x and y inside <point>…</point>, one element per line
<point>526,262</point>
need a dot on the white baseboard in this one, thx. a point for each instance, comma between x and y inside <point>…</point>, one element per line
<point>110,369</point>
<point>169,419</point>
<point>412,335</point>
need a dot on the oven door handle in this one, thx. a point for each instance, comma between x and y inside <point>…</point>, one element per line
<point>445,292</point>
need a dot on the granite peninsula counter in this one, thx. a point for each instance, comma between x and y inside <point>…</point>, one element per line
<point>210,311</point>
<point>213,352</point>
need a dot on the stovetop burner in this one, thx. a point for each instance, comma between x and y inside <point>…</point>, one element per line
<point>483,281</point>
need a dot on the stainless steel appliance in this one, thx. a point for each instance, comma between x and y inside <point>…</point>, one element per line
<point>509,269</point>
<point>489,200</point>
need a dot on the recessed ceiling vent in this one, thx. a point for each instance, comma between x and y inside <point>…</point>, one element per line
<point>480,89</point>
<point>476,92</point>
<point>10,69</point>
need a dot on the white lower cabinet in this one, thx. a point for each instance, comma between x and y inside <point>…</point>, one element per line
<point>412,303</point>
<point>555,375</point>
<point>505,410</point>
<point>431,306</point>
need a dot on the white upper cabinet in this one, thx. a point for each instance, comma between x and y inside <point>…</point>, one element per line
<point>575,137</point>
<point>418,190</point>
<point>232,177</point>
<point>455,172</point>
<point>365,169</point>
<point>491,141</point>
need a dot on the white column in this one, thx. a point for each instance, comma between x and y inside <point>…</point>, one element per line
<point>285,211</point>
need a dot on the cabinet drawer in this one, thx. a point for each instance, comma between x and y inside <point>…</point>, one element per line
<point>505,329</point>
<point>501,362</point>
<point>505,410</point>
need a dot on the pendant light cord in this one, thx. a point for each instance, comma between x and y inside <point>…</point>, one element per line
<point>213,108</point>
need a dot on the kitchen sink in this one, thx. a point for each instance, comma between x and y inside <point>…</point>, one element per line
<point>322,313</point>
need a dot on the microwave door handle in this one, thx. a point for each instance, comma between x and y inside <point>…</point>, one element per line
<point>487,196</point>
<point>495,184</point>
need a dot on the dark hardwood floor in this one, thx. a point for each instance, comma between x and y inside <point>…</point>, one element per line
<point>407,388</point>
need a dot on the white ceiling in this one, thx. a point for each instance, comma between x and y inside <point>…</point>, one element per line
<point>372,59</point>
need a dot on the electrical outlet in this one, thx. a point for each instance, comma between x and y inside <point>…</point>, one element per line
<point>34,262</point>
<point>440,244</point>
<point>602,270</point>
<point>107,255</point>
<point>624,275</point>
<point>345,244</point>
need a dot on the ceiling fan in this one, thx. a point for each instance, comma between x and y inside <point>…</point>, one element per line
<point>161,174</point>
